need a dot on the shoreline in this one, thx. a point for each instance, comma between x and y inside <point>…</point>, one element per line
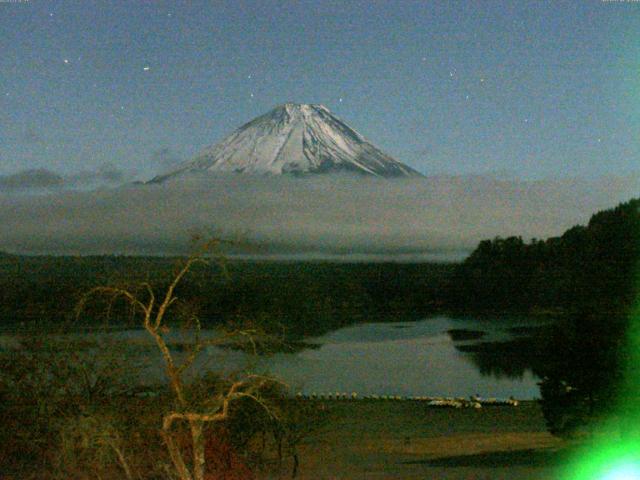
<point>407,440</point>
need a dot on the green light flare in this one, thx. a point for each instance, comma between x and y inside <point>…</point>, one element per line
<point>623,472</point>
<point>613,461</point>
<point>615,455</point>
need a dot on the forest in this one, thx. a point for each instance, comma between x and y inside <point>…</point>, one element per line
<point>303,298</point>
<point>590,268</point>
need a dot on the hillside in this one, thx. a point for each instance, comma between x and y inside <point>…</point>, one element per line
<point>589,268</point>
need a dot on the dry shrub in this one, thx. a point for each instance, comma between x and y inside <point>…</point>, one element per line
<point>94,444</point>
<point>45,383</point>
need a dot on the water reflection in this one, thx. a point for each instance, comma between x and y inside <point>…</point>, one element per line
<point>440,356</point>
<point>513,358</point>
<point>420,358</point>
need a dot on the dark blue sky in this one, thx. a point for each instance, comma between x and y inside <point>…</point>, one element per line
<point>533,89</point>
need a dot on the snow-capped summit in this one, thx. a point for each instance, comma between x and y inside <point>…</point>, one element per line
<point>296,139</point>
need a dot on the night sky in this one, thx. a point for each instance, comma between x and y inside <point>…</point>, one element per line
<point>518,88</point>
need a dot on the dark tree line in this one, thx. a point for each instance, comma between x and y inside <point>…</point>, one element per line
<point>588,269</point>
<point>588,277</point>
<point>304,298</point>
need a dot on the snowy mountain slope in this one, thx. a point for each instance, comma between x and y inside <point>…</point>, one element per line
<point>295,139</point>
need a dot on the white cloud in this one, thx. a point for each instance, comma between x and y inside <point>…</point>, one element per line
<point>342,214</point>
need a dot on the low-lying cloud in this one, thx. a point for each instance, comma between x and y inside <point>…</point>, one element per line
<point>42,180</point>
<point>32,179</point>
<point>437,216</point>
<point>106,174</point>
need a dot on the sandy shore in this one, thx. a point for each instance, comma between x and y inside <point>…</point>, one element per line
<point>407,440</point>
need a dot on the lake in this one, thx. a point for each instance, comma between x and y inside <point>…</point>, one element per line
<point>408,359</point>
<point>401,358</point>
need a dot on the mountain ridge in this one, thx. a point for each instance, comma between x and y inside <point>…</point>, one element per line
<point>295,139</point>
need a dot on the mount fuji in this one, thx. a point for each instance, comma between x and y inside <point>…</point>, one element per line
<point>297,139</point>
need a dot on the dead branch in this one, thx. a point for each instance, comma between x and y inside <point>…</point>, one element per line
<point>154,322</point>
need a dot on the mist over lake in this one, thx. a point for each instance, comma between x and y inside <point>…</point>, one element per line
<point>433,217</point>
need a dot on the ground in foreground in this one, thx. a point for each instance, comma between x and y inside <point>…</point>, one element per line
<point>407,440</point>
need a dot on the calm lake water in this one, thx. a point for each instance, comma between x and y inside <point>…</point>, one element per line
<point>408,358</point>
<point>412,358</point>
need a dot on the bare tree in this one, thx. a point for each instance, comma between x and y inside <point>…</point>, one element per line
<point>154,310</point>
